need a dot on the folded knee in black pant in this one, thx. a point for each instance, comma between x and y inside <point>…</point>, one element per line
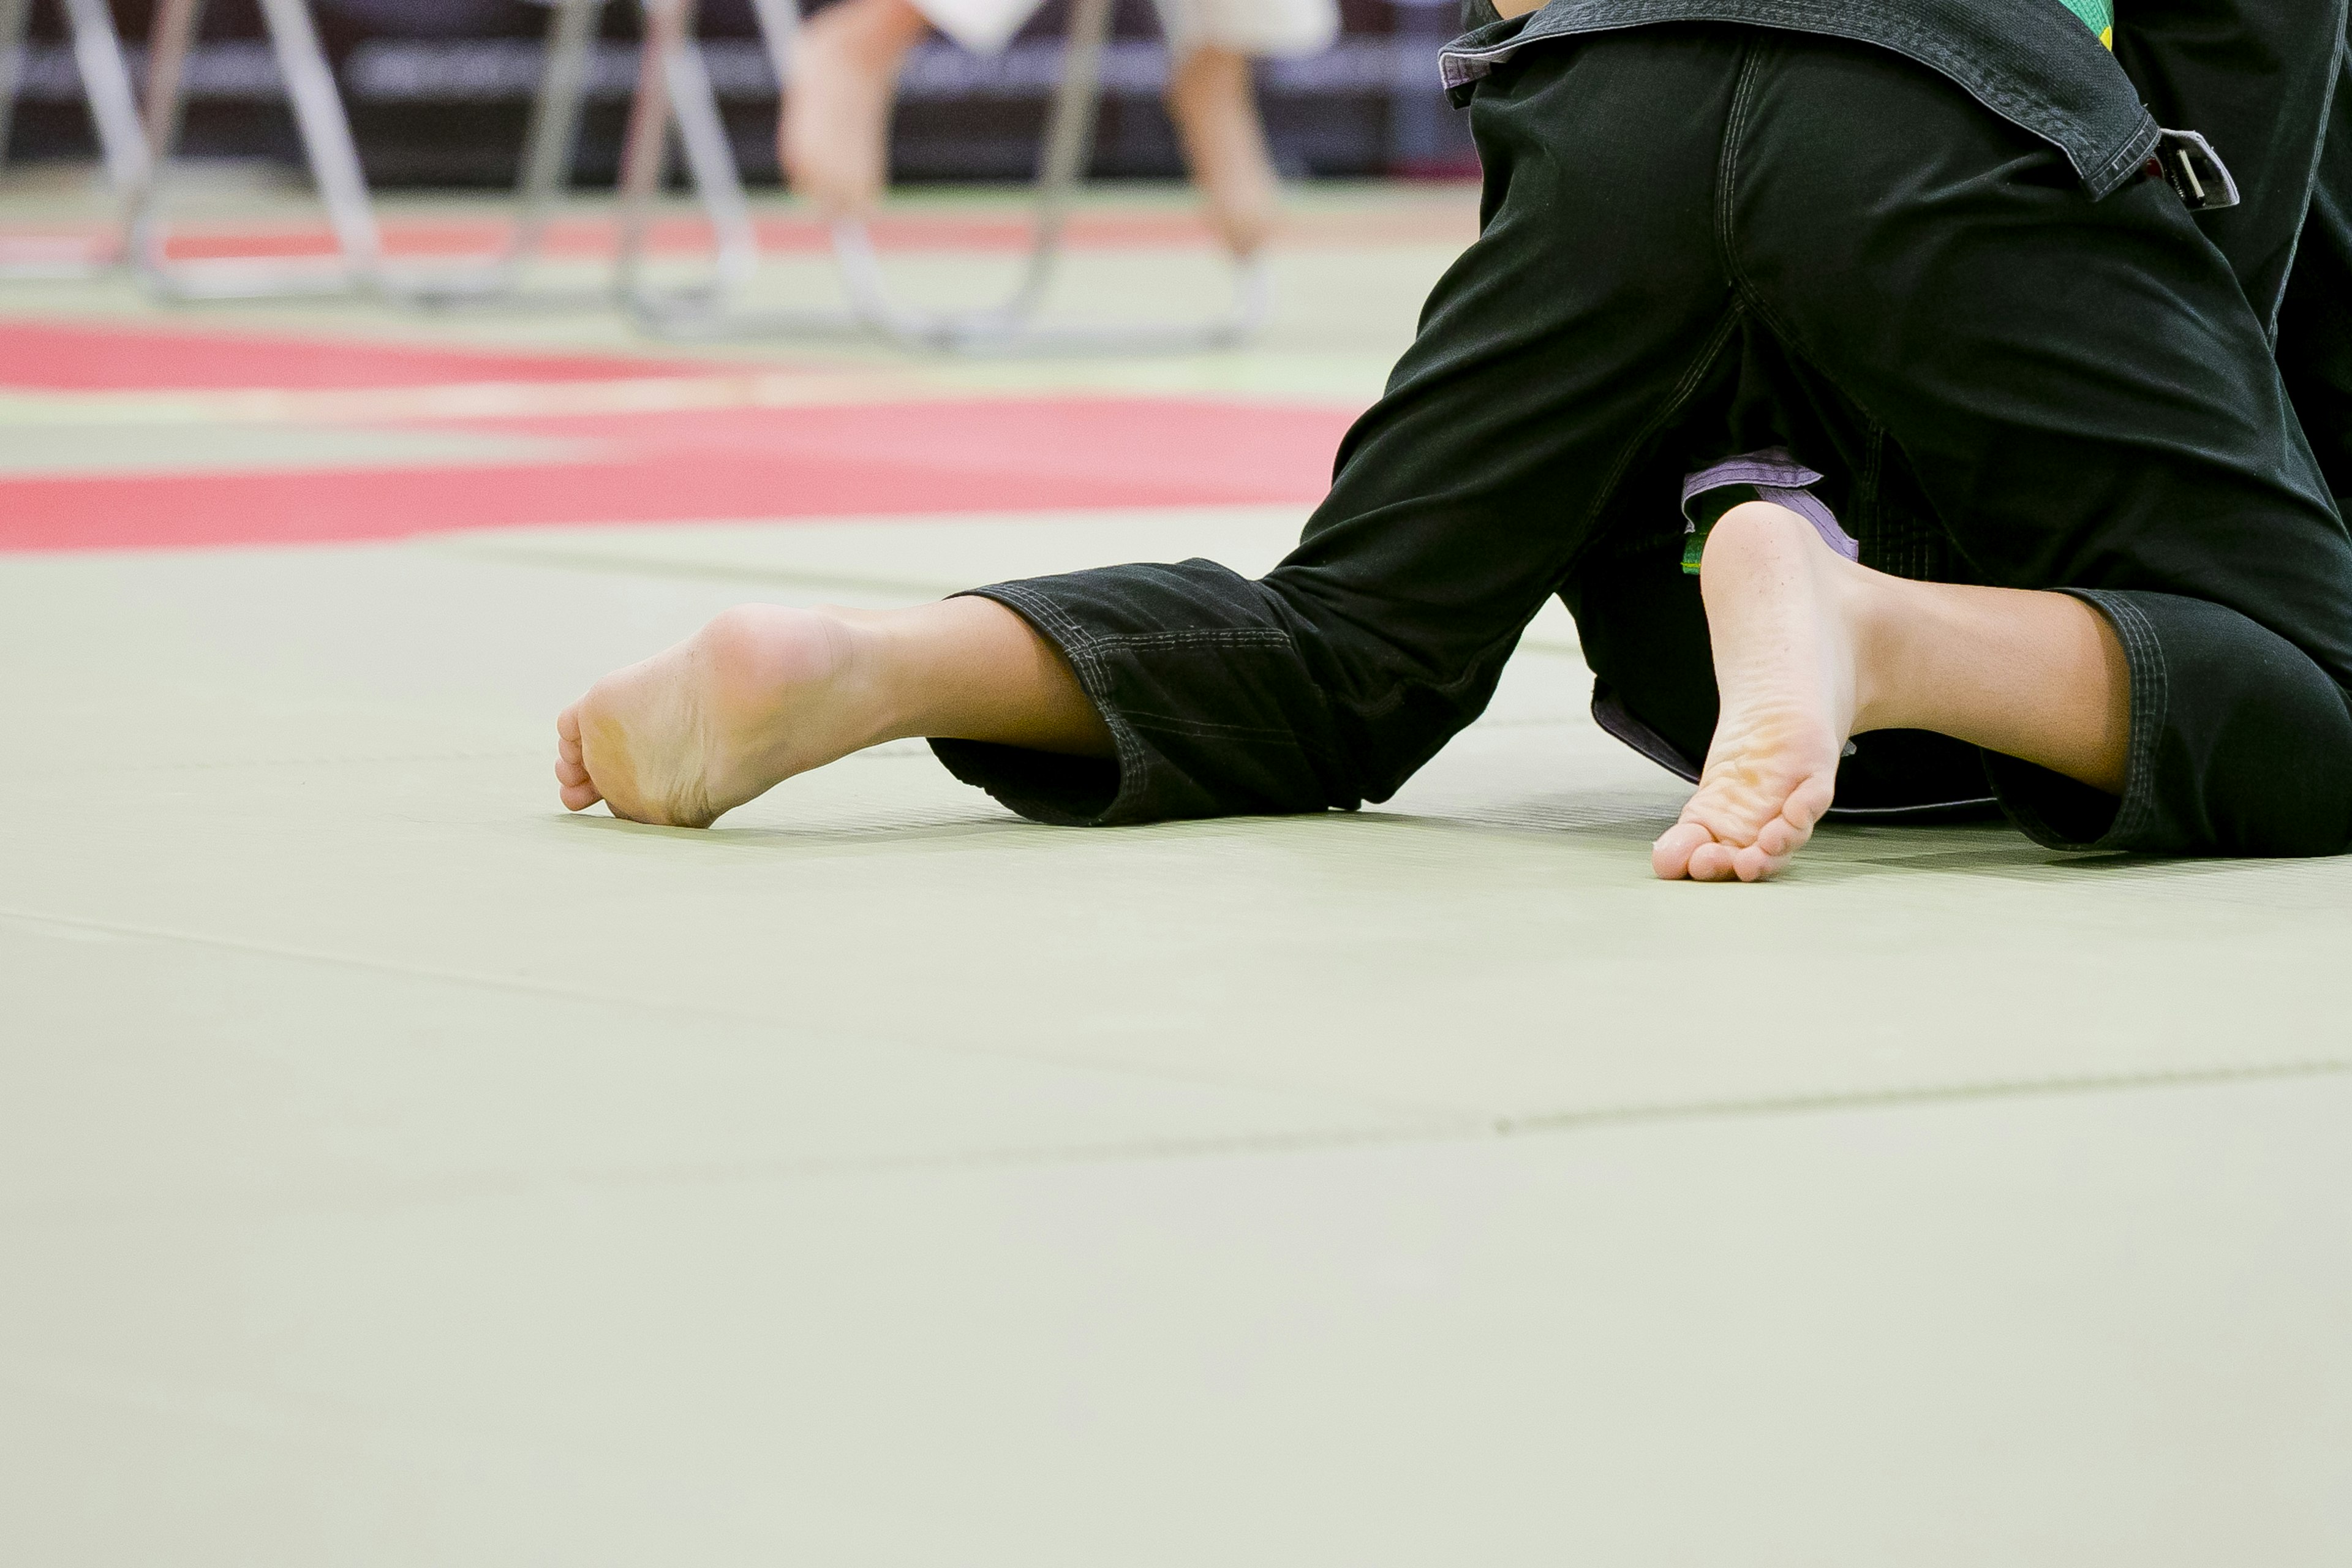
<point>2240,743</point>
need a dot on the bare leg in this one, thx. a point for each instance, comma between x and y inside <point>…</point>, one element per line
<point>765,692</point>
<point>835,135</point>
<point>1214,105</point>
<point>1811,649</point>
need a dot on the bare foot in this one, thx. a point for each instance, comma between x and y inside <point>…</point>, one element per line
<point>765,692</point>
<point>1214,105</point>
<point>760,694</point>
<point>1785,613</point>
<point>835,136</point>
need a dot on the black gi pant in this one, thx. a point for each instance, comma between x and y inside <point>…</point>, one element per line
<point>1698,241</point>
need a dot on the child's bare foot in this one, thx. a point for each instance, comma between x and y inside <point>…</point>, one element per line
<point>760,694</point>
<point>835,136</point>
<point>1785,615</point>
<point>1214,105</point>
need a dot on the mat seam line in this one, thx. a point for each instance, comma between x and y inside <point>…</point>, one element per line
<point>1169,1149</point>
<point>1422,1113</point>
<point>1422,1124</point>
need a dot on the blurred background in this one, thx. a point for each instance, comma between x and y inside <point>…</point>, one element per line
<point>439,92</point>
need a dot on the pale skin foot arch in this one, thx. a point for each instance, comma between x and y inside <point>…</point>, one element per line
<point>1812,649</point>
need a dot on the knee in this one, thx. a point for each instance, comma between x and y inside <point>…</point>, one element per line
<point>2257,734</point>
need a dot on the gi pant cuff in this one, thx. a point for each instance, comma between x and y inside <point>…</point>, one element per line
<point>1043,786</point>
<point>2057,811</point>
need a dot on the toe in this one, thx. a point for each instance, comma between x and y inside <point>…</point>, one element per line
<point>579,790</point>
<point>1713,861</point>
<point>1670,856</point>
<point>1778,840</point>
<point>1781,838</point>
<point>1810,801</point>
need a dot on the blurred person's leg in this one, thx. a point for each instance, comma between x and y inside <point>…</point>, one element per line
<point>835,133</point>
<point>835,128</point>
<point>1213,101</point>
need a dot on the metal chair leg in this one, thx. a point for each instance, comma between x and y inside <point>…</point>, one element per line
<point>114,115</point>
<point>327,145</point>
<point>16,22</point>
<point>553,143</point>
<point>674,90</point>
<point>549,149</point>
<point>106,84</point>
<point>1009,327</point>
<point>334,159</point>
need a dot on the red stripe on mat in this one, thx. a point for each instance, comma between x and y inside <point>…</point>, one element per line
<point>1436,222</point>
<point>1173,444</point>
<point>425,239</point>
<point>63,356</point>
<point>764,463</point>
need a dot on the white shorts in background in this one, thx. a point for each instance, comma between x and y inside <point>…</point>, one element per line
<point>1245,27</point>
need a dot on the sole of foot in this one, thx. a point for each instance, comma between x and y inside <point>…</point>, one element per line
<point>1784,614</point>
<point>760,694</point>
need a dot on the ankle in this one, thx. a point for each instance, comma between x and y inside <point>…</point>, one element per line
<point>874,673</point>
<point>1883,614</point>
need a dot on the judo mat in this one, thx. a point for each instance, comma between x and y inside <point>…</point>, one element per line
<point>395,1169</point>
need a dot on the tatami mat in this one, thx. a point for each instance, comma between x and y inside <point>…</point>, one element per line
<point>1486,944</point>
<point>395,1169</point>
<point>2017,1331</point>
